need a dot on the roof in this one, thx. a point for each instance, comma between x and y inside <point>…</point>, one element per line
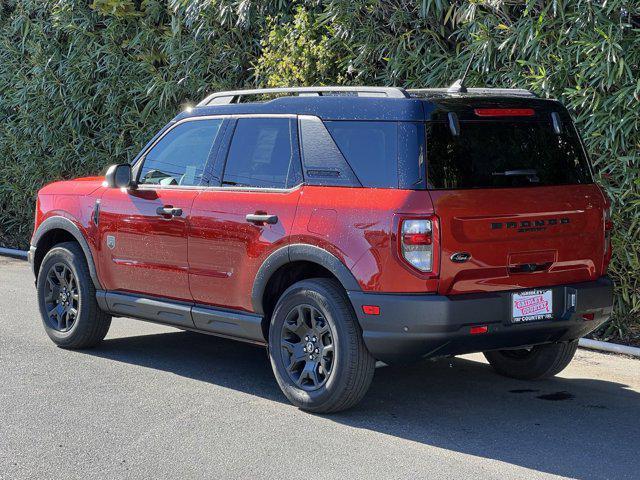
<point>357,103</point>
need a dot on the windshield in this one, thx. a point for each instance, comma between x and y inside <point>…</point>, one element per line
<point>493,154</point>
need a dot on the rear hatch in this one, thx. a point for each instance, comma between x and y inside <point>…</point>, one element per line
<point>511,185</point>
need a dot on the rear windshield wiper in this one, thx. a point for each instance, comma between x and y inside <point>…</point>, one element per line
<point>532,175</point>
<point>514,173</point>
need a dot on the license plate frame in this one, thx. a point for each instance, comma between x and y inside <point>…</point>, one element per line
<point>534,305</point>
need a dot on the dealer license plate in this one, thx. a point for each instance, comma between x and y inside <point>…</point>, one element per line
<point>531,306</point>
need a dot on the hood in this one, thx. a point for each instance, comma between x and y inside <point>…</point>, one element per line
<point>77,186</point>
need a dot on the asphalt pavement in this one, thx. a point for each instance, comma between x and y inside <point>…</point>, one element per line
<point>155,402</point>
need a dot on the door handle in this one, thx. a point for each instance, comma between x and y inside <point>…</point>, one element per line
<point>262,218</point>
<point>169,211</point>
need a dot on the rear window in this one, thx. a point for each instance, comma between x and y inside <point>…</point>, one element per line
<point>493,154</point>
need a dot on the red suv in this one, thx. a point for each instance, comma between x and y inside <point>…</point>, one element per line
<point>339,226</point>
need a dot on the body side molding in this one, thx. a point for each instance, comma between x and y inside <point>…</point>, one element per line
<point>233,324</point>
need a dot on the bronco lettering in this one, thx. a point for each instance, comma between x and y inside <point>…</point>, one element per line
<point>530,225</point>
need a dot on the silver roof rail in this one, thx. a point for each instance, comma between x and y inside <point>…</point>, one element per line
<point>518,92</point>
<point>233,96</point>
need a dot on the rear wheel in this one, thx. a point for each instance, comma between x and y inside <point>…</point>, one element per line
<point>541,361</point>
<point>67,299</point>
<point>316,349</point>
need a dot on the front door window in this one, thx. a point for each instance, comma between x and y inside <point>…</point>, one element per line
<point>179,158</point>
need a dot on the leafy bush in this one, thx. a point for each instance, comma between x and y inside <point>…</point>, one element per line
<point>86,85</point>
<point>298,53</point>
<point>83,86</point>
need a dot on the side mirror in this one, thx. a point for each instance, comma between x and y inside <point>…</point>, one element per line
<point>119,176</point>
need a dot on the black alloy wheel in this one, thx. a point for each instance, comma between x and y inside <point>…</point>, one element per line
<point>67,299</point>
<point>316,347</point>
<point>62,299</point>
<point>307,347</point>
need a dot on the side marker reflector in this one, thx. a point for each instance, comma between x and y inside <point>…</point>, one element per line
<point>478,329</point>
<point>371,309</point>
<point>588,316</point>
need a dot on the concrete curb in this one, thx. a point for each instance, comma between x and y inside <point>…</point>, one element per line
<point>12,252</point>
<point>609,347</point>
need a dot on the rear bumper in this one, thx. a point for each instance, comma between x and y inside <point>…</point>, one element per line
<point>410,327</point>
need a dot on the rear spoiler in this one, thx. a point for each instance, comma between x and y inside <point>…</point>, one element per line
<point>489,92</point>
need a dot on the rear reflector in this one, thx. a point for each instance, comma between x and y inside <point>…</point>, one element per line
<point>371,309</point>
<point>505,112</point>
<point>478,329</point>
<point>588,316</point>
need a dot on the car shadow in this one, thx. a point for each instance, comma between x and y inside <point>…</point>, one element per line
<point>578,428</point>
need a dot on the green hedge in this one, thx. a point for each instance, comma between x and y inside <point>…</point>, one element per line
<point>84,85</point>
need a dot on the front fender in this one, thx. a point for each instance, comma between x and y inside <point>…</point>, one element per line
<point>69,226</point>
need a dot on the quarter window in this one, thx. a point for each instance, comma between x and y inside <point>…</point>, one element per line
<point>179,158</point>
<point>371,148</point>
<point>260,154</point>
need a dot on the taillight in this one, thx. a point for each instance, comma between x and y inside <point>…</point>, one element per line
<point>416,243</point>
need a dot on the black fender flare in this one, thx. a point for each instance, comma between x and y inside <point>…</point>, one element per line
<point>294,253</point>
<point>63,223</point>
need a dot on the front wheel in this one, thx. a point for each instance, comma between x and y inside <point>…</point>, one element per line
<point>541,361</point>
<point>67,299</point>
<point>316,348</point>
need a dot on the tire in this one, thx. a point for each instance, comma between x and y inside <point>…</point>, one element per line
<point>342,368</point>
<point>65,266</point>
<point>542,361</point>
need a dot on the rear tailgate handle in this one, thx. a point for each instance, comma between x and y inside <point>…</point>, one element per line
<point>529,267</point>
<point>262,218</point>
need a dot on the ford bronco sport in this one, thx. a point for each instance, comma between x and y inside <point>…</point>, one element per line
<point>339,226</point>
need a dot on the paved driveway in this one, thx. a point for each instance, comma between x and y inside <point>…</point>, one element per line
<point>154,402</point>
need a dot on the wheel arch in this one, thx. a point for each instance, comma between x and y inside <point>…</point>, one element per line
<point>290,264</point>
<point>56,230</point>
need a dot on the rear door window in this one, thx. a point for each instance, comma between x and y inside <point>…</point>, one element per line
<point>493,154</point>
<point>261,155</point>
